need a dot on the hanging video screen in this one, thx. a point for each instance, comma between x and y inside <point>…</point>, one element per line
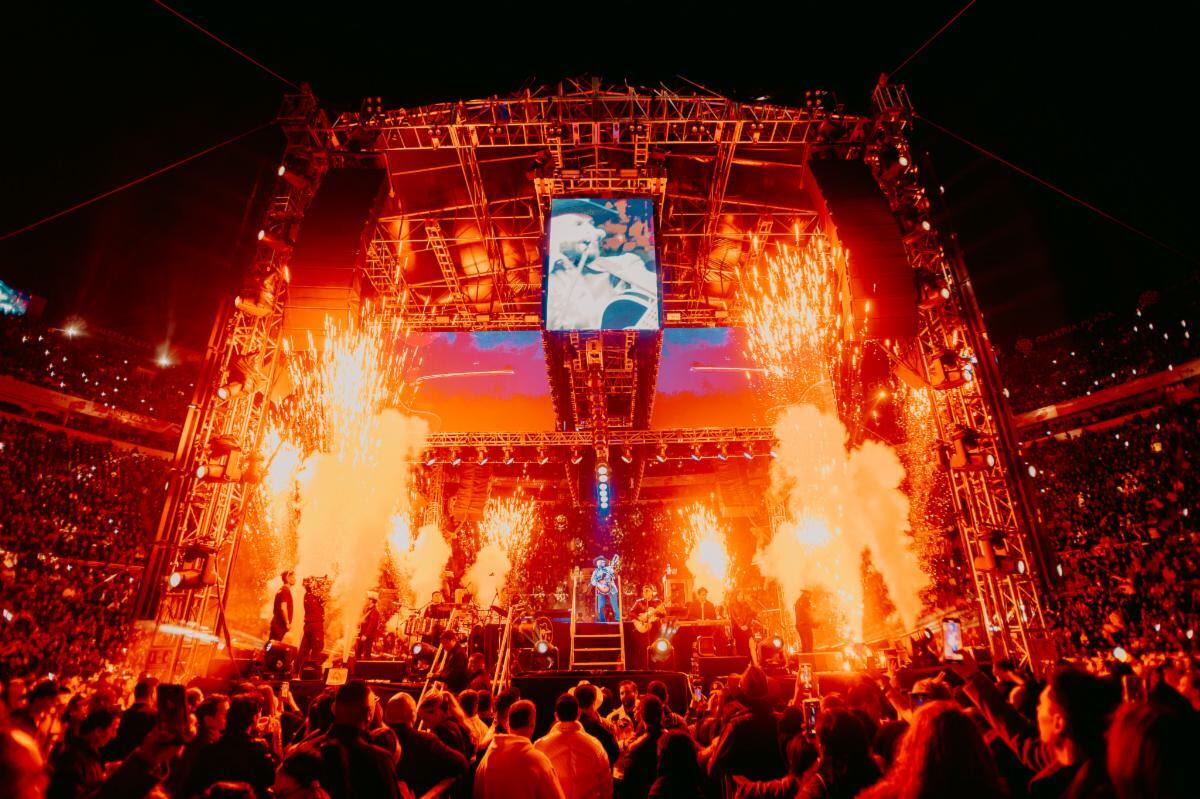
<point>602,266</point>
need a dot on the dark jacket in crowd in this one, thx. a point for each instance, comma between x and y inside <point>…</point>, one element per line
<point>639,765</point>
<point>598,730</point>
<point>76,770</point>
<point>235,757</point>
<point>353,767</point>
<point>425,760</point>
<point>136,723</point>
<point>748,749</point>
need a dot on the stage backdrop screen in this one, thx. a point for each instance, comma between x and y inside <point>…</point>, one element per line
<point>601,265</point>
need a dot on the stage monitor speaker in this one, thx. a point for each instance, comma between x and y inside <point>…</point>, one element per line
<point>711,668</point>
<point>278,658</point>
<point>880,274</point>
<point>391,670</point>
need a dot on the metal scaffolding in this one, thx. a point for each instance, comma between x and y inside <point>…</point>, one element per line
<point>999,532</point>
<point>196,542</point>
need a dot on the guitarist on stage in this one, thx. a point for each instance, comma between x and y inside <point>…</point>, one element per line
<point>646,614</point>
<point>605,584</point>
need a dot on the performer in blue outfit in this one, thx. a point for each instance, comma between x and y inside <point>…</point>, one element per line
<point>605,584</point>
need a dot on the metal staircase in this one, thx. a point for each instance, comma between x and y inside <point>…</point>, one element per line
<point>596,644</point>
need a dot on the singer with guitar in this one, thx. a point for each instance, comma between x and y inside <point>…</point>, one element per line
<point>604,582</point>
<point>646,612</point>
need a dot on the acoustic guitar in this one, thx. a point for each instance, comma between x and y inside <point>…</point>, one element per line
<point>606,582</point>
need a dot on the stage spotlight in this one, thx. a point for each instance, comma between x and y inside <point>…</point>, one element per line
<point>777,642</point>
<point>542,456</point>
<point>432,459</point>
<point>455,458</point>
<point>508,456</point>
<point>417,649</point>
<point>481,456</point>
<point>73,328</point>
<point>948,370</point>
<point>722,452</point>
<point>273,241</point>
<point>695,452</point>
<point>627,455</point>
<point>1033,470</point>
<point>264,302</point>
<point>240,377</point>
<point>660,654</point>
<point>661,455</point>
<point>748,452</point>
<point>967,451</point>
<point>191,579</point>
<point>576,457</point>
<point>541,647</point>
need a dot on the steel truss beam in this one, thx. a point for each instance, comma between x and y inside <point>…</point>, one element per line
<point>201,522</point>
<point>999,533</point>
<point>684,437</point>
<point>590,116</point>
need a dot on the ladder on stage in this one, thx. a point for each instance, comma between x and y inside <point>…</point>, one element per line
<point>596,645</point>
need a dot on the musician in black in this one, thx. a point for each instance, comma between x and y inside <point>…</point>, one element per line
<point>646,613</point>
<point>741,621</point>
<point>454,669</point>
<point>605,585</point>
<point>283,608</point>
<point>805,624</point>
<point>700,609</point>
<point>312,642</point>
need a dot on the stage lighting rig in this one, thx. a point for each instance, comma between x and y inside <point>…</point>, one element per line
<point>661,653</point>
<point>950,370</point>
<point>242,376</point>
<point>226,461</point>
<point>968,451</point>
<point>197,577</point>
<point>265,293</point>
<point>604,493</point>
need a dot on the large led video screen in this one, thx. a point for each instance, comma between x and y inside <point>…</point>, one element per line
<point>601,265</point>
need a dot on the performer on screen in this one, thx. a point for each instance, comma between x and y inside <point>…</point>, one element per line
<point>604,582</point>
<point>591,291</point>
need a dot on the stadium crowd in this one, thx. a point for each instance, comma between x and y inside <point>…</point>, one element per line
<point>964,733</point>
<point>1106,350</point>
<point>1120,504</point>
<point>75,526</point>
<point>103,368</point>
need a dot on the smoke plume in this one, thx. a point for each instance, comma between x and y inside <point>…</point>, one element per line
<point>837,503</point>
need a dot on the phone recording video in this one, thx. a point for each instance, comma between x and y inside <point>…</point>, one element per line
<point>951,639</point>
<point>812,708</point>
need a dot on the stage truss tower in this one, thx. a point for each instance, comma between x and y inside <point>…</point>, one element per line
<point>952,351</point>
<point>183,590</point>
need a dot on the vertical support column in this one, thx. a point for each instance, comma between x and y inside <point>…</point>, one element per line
<point>217,462</point>
<point>999,532</point>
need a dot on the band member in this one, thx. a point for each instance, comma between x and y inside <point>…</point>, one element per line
<point>283,608</point>
<point>369,629</point>
<point>312,642</point>
<point>454,667</point>
<point>741,619</point>
<point>646,610</point>
<point>700,609</point>
<point>438,610</point>
<point>605,585</point>
<point>804,623</point>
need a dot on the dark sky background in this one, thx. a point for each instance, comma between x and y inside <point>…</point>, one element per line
<point>1090,96</point>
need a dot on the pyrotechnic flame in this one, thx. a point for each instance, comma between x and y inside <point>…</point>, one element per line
<point>707,560</point>
<point>791,314</point>
<point>504,533</point>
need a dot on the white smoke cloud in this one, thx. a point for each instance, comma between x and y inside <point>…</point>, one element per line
<point>420,562</point>
<point>488,573</point>
<point>348,498</point>
<point>839,502</point>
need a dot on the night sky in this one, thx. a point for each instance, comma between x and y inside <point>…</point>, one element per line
<point>1090,96</point>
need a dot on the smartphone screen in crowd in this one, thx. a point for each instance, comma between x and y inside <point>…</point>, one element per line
<point>951,639</point>
<point>812,708</point>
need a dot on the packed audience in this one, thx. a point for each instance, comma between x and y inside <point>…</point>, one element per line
<point>1104,351</point>
<point>964,733</point>
<point>76,523</point>
<point>112,372</point>
<point>1120,504</point>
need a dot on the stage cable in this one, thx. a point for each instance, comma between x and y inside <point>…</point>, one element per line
<point>130,184</point>
<point>930,40</point>
<point>225,44</point>
<point>1047,184</point>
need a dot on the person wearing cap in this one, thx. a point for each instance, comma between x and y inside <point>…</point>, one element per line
<point>587,290</point>
<point>605,586</point>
